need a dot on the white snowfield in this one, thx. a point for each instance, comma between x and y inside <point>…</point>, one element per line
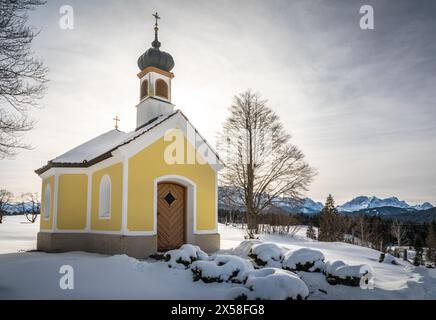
<point>36,275</point>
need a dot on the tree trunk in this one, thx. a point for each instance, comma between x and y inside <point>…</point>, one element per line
<point>251,213</point>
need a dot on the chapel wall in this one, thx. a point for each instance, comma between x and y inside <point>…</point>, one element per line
<point>72,201</point>
<point>148,165</point>
<point>113,223</point>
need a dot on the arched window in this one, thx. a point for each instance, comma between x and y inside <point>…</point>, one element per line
<point>104,209</point>
<point>144,89</point>
<point>47,202</point>
<point>161,88</point>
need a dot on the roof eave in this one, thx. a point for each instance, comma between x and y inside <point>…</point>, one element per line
<point>84,164</point>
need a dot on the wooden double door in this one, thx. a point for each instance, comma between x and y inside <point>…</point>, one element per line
<point>171,216</point>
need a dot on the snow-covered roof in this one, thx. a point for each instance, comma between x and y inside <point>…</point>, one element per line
<point>100,148</point>
<point>92,148</point>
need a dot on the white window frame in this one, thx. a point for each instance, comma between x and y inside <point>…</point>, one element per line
<point>103,215</point>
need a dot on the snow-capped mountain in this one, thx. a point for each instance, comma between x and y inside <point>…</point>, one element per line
<point>17,208</point>
<point>424,206</point>
<point>363,202</point>
<point>309,206</point>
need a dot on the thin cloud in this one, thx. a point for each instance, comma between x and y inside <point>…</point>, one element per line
<point>360,104</point>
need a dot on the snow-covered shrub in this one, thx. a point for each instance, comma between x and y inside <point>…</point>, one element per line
<point>267,254</point>
<point>244,248</point>
<point>338,272</point>
<point>387,258</point>
<point>224,268</point>
<point>303,259</point>
<point>274,284</point>
<point>318,266</point>
<point>183,257</point>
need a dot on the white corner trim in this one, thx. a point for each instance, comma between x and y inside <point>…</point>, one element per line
<point>89,202</point>
<point>55,203</point>
<point>216,201</point>
<point>125,194</point>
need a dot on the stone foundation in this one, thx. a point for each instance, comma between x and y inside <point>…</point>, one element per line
<point>208,242</point>
<point>134,246</point>
<point>139,247</point>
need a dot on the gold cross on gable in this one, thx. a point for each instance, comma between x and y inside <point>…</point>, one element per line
<point>116,122</point>
<point>156,16</point>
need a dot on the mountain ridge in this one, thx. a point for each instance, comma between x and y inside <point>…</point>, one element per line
<point>365,202</point>
<point>310,206</point>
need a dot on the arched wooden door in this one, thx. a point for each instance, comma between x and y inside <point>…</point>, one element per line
<point>170,216</point>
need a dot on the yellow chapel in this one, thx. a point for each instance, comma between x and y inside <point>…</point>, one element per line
<point>139,192</point>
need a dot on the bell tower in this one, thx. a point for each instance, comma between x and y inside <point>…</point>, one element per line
<point>155,82</point>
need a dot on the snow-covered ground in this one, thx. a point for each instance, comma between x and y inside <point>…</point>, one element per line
<point>26,275</point>
<point>17,234</point>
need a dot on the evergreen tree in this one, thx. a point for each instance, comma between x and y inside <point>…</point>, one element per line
<point>431,242</point>
<point>310,233</point>
<point>418,245</point>
<point>330,222</point>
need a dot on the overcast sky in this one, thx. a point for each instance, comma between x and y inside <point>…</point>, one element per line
<point>359,103</point>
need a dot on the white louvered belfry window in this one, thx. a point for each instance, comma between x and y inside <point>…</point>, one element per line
<point>105,197</point>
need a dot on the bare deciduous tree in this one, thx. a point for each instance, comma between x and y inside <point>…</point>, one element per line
<point>261,163</point>
<point>22,77</point>
<point>399,232</point>
<point>279,222</point>
<point>30,205</point>
<point>5,199</point>
<point>362,228</point>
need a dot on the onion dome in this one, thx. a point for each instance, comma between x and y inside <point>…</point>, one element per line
<point>154,57</point>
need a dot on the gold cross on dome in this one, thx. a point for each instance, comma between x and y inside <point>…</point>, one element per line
<point>116,122</point>
<point>156,16</point>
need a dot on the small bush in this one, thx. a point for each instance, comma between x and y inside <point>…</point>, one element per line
<point>267,254</point>
<point>338,272</point>
<point>275,284</point>
<point>303,259</point>
<point>224,268</point>
<point>184,256</point>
